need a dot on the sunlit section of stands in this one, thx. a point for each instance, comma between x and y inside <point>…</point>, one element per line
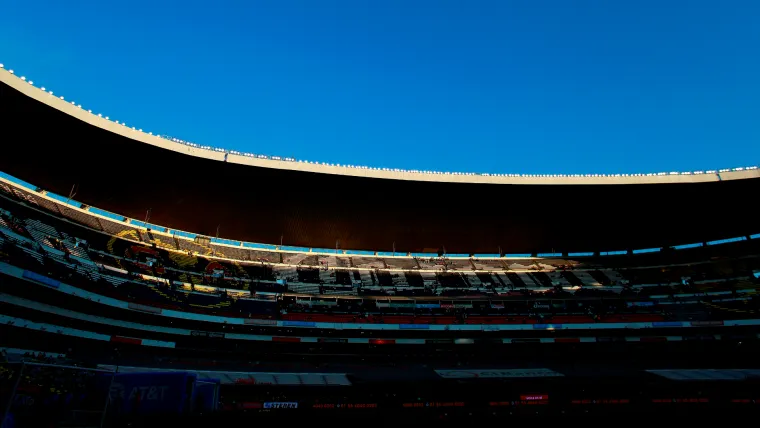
<point>304,259</point>
<point>435,275</point>
<point>489,265</point>
<point>120,230</point>
<point>400,283</point>
<point>163,241</point>
<point>460,265</point>
<point>511,312</point>
<point>242,253</point>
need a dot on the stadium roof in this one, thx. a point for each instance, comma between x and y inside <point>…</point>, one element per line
<point>60,146</point>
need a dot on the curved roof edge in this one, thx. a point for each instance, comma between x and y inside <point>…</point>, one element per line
<point>48,98</point>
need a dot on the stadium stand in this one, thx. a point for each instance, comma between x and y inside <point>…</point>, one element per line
<point>60,277</point>
<point>101,313</point>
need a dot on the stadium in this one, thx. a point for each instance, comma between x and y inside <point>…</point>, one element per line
<point>188,273</point>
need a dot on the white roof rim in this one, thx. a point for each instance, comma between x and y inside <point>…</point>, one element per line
<point>43,95</point>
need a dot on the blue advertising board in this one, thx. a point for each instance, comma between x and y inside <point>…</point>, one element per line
<point>153,392</point>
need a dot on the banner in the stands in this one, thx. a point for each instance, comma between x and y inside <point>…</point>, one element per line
<point>144,308</point>
<point>250,378</point>
<point>497,373</point>
<point>210,334</point>
<point>41,279</point>
<point>259,322</point>
<point>456,305</point>
<point>281,405</point>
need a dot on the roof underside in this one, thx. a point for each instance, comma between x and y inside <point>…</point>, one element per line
<point>56,151</point>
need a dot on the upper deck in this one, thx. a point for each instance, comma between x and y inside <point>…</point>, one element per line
<point>59,146</point>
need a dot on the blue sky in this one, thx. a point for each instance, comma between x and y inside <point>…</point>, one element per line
<point>531,86</point>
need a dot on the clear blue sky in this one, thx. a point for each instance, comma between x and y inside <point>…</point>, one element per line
<point>506,86</point>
